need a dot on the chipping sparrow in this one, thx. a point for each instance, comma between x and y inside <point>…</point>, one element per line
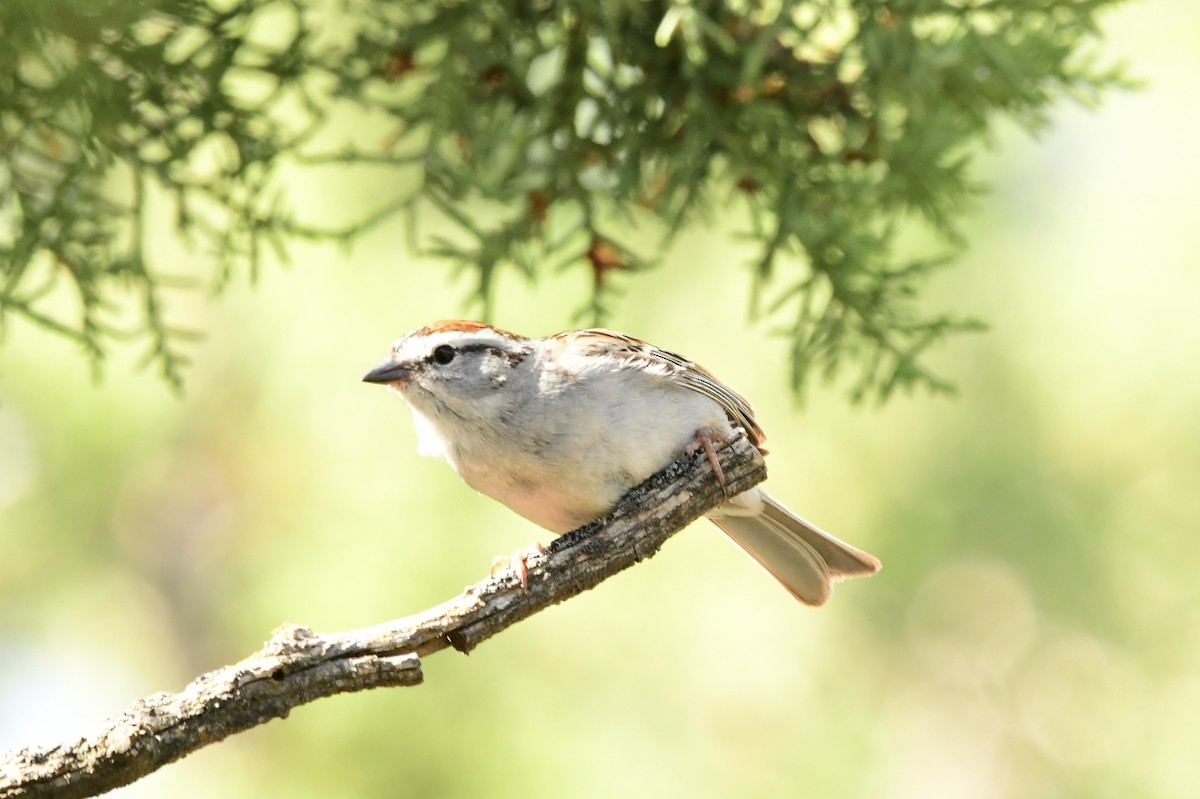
<point>559,428</point>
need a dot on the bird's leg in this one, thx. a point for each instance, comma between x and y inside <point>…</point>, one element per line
<point>705,436</point>
<point>519,563</point>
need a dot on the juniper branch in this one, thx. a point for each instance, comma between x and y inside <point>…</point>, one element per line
<point>828,125</point>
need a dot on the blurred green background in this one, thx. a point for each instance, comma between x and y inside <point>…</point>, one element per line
<point>1035,631</point>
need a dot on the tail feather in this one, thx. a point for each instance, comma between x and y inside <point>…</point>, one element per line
<point>803,559</point>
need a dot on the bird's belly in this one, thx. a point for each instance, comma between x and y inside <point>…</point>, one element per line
<point>556,502</point>
<point>583,464</point>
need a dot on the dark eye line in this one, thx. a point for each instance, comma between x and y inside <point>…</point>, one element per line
<point>445,353</point>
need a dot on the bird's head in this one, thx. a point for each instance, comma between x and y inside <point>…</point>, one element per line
<point>455,369</point>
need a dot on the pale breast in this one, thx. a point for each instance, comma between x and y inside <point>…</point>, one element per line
<point>586,446</point>
<point>566,455</point>
<point>558,498</point>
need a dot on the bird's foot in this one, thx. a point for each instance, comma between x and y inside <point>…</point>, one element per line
<point>518,562</point>
<point>705,436</point>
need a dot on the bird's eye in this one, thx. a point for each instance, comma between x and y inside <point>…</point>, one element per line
<point>444,354</point>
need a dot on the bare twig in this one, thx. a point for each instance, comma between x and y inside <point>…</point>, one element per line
<point>298,666</point>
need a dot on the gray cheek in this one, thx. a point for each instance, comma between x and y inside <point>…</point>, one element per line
<point>440,409</point>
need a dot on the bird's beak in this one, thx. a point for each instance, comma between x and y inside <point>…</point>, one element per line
<point>388,371</point>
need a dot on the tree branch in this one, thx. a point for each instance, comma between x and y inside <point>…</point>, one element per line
<point>297,666</point>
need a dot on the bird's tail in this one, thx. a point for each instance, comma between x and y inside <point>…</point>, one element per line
<point>804,559</point>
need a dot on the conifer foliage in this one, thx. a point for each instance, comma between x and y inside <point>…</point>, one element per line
<point>536,132</point>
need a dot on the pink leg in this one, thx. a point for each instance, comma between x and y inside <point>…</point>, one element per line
<point>705,437</point>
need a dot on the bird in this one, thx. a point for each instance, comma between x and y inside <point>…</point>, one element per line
<point>560,428</point>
